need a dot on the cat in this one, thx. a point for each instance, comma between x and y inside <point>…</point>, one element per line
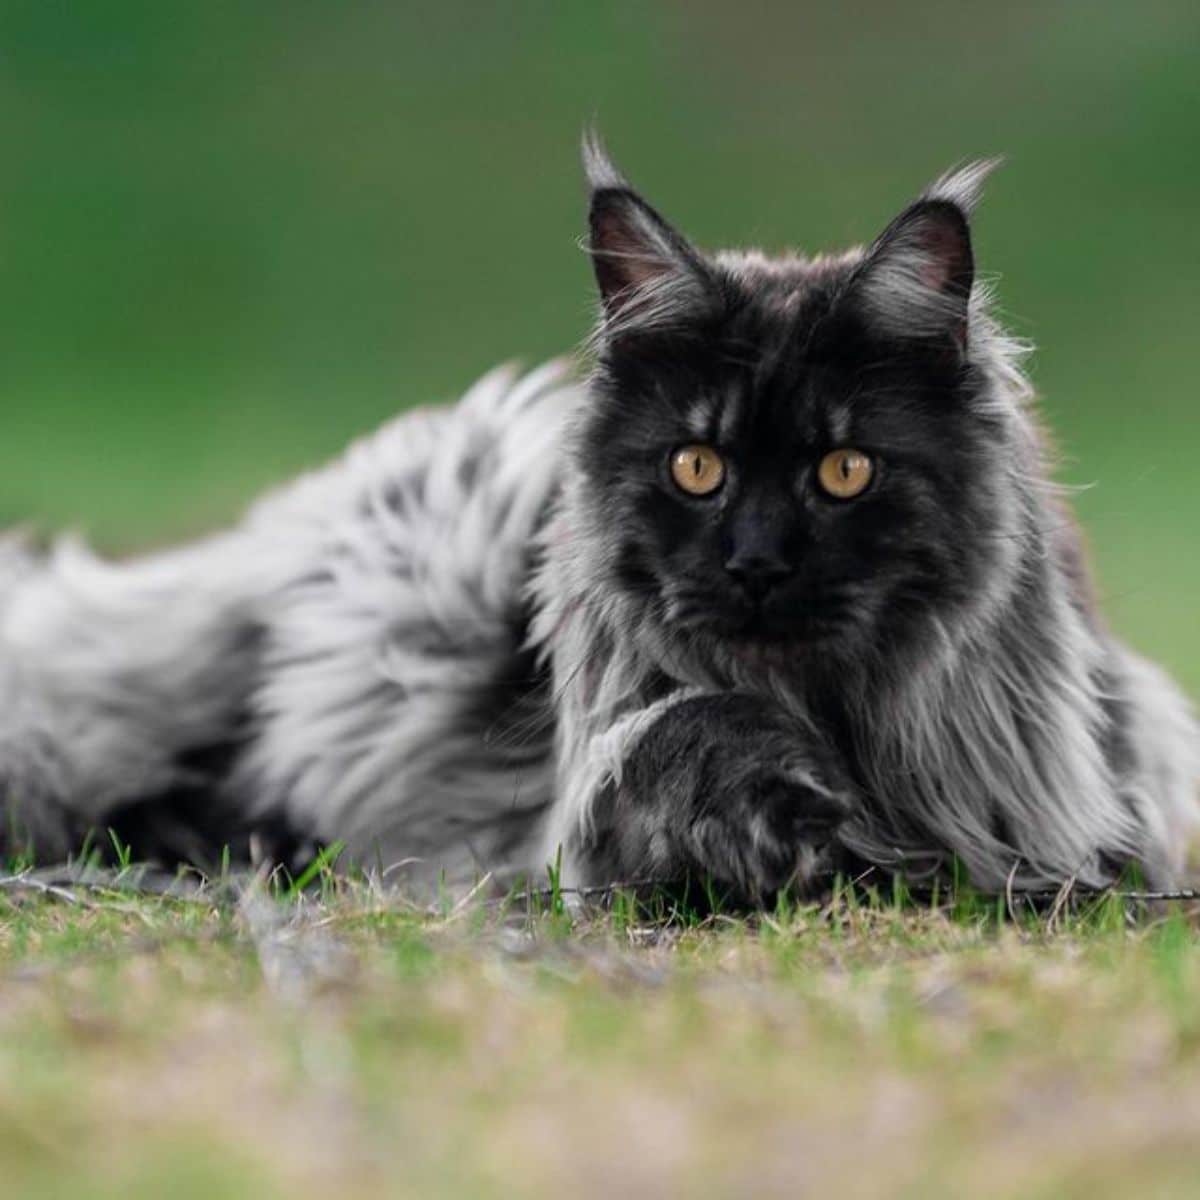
<point>784,584</point>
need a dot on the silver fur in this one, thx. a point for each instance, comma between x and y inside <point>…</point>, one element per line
<point>346,631</point>
<point>348,623</point>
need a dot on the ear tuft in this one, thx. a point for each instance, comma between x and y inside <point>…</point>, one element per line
<point>649,277</point>
<point>598,166</point>
<point>962,186</point>
<point>915,280</point>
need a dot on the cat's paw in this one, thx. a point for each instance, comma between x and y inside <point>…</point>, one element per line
<point>766,821</point>
<point>727,789</point>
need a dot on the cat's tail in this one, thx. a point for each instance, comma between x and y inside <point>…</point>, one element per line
<point>347,664</point>
<point>114,679</point>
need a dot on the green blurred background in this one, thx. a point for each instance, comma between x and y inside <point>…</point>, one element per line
<point>234,236</point>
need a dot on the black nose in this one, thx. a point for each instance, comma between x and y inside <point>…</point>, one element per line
<point>758,573</point>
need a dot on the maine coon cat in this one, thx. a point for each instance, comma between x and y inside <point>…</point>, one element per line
<point>786,581</point>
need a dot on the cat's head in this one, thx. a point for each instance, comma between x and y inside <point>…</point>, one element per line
<point>794,453</point>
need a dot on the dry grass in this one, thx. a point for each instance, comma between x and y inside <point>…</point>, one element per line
<point>354,1047</point>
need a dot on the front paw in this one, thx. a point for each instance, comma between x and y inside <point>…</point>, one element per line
<point>765,823</point>
<point>728,789</point>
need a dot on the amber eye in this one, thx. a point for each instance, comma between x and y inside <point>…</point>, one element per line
<point>845,474</point>
<point>698,470</point>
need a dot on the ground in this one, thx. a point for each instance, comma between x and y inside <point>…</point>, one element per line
<point>258,1042</point>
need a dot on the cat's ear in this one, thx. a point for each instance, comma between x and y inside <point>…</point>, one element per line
<point>650,278</point>
<point>915,279</point>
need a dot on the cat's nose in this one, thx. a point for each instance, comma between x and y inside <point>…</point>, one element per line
<point>758,574</point>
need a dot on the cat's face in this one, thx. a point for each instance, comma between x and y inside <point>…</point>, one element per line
<point>785,452</point>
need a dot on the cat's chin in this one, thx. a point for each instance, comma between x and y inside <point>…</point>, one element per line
<point>763,653</point>
<point>754,637</point>
<point>742,644</point>
<point>757,631</point>
<point>761,646</point>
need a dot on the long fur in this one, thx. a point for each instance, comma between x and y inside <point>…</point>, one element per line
<point>1004,730</point>
<point>357,645</point>
<point>1023,738</point>
<point>419,651</point>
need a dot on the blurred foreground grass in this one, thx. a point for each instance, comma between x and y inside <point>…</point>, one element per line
<point>350,1046</point>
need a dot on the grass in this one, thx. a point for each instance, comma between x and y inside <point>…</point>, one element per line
<point>346,1043</point>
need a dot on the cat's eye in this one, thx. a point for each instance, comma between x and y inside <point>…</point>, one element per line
<point>697,470</point>
<point>845,474</point>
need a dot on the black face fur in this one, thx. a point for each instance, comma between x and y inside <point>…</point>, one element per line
<point>775,363</point>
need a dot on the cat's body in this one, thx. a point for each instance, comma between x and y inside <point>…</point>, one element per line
<point>511,629</point>
<point>348,664</point>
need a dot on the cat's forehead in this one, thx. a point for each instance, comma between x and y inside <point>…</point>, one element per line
<point>774,304</point>
<point>771,383</point>
<point>778,407</point>
<point>785,367</point>
<point>783,283</point>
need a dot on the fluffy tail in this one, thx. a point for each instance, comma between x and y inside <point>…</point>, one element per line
<point>113,680</point>
<point>347,664</point>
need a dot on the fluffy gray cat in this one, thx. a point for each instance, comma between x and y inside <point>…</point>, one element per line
<point>785,584</point>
